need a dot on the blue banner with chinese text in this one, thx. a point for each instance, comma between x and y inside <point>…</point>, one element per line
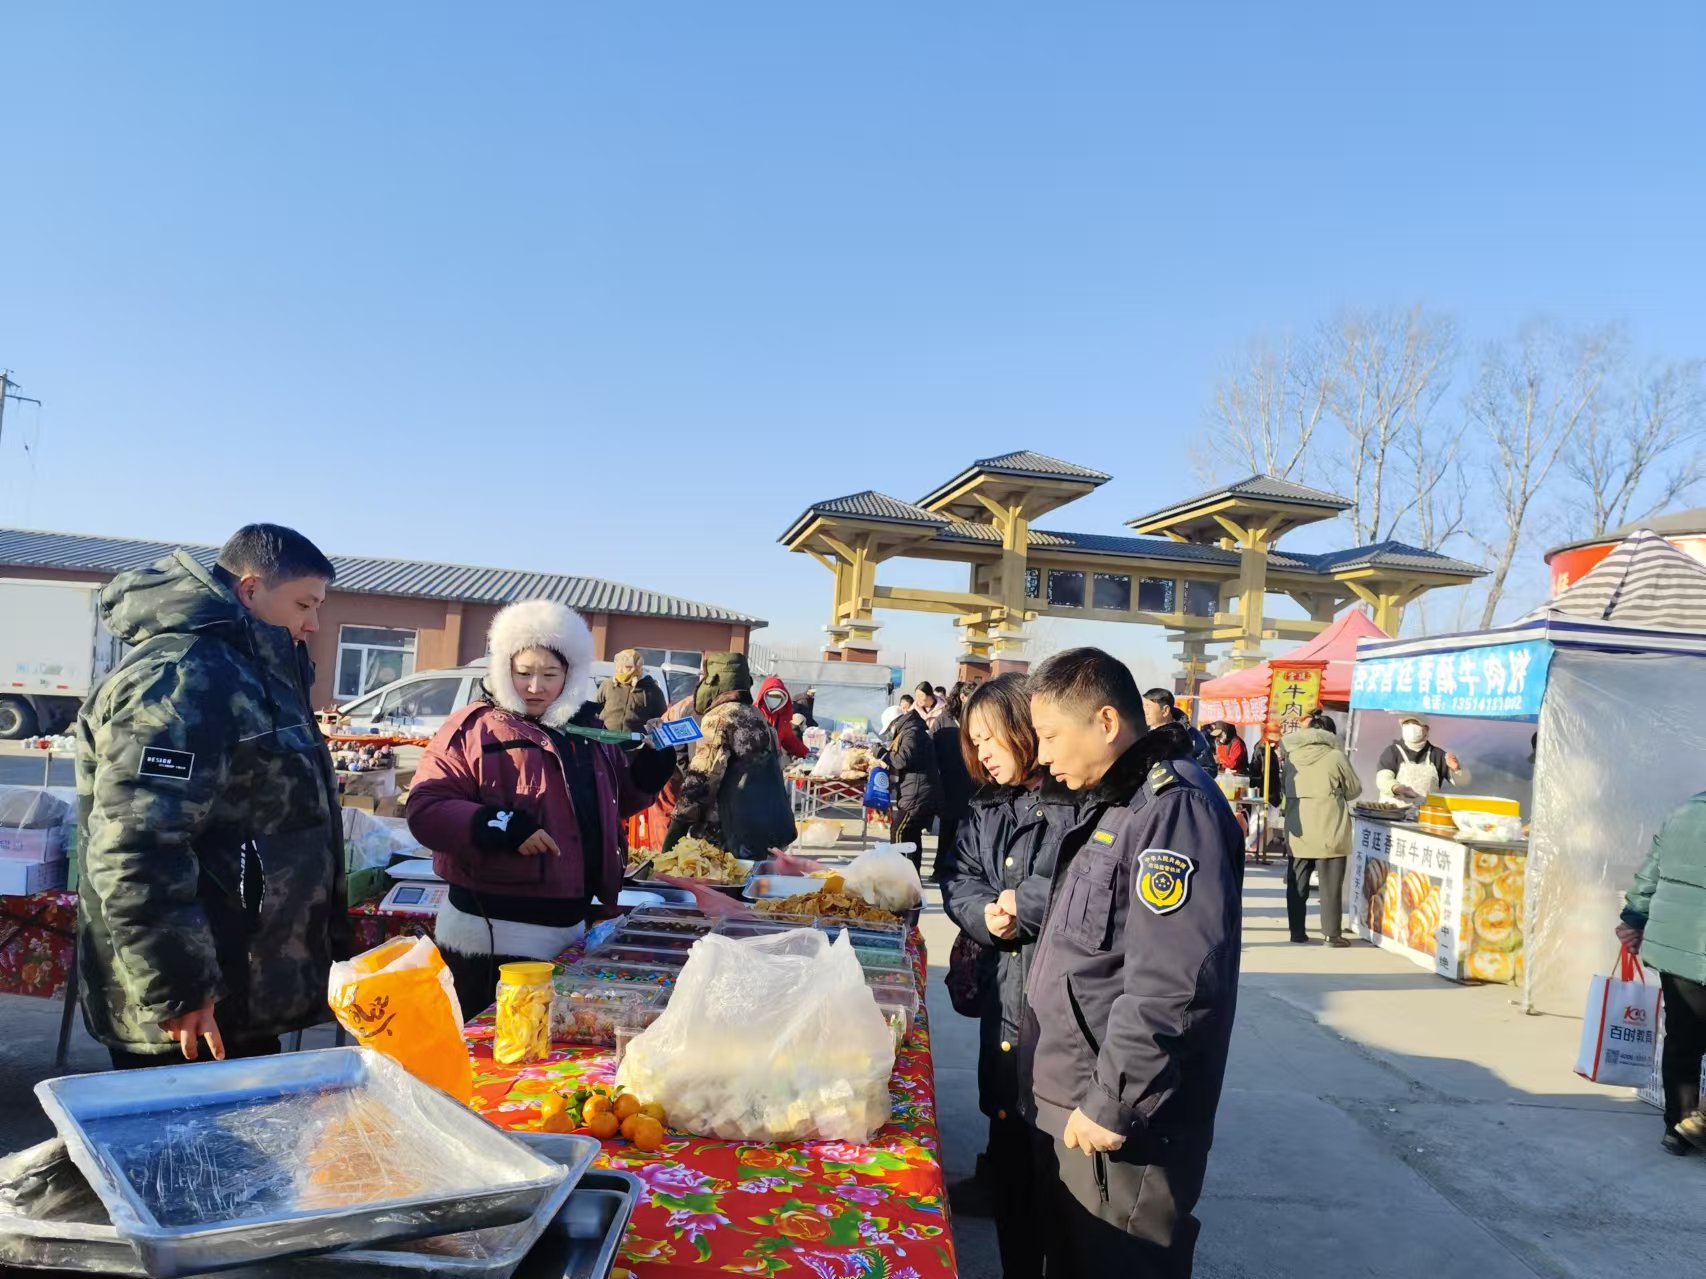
<point>1500,681</point>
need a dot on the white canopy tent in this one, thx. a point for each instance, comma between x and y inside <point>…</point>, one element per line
<point>1621,742</point>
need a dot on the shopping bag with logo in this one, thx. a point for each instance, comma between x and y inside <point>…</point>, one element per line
<point>399,999</point>
<point>1620,1026</point>
<point>877,789</point>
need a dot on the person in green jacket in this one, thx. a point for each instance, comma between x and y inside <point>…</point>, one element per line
<point>1664,922</point>
<point>1319,788</point>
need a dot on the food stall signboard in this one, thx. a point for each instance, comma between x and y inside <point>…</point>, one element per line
<point>1498,681</point>
<point>1295,691</point>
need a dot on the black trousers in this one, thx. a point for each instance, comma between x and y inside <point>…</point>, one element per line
<point>1011,1167</point>
<point>909,828</point>
<point>1685,1045</point>
<point>235,1050</point>
<point>476,978</point>
<point>1331,871</point>
<point>1106,1218</point>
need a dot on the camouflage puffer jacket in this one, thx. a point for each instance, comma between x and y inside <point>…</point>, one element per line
<point>211,839</point>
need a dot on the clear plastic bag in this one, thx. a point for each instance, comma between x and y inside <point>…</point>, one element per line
<point>886,878</point>
<point>832,763</point>
<point>769,1039</point>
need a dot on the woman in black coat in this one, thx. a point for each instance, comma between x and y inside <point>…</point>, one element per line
<point>957,785</point>
<point>997,891</point>
<point>915,784</point>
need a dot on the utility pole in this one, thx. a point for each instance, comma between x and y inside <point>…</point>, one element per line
<point>8,391</point>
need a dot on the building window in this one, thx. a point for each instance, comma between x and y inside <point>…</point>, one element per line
<point>1065,588</point>
<point>1111,591</point>
<point>1033,583</point>
<point>1155,594</point>
<point>655,659</point>
<point>370,657</point>
<point>1202,599</point>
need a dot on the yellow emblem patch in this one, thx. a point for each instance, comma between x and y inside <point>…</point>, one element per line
<point>1164,879</point>
<point>1102,837</point>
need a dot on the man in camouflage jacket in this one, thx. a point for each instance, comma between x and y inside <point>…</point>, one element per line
<point>212,873</point>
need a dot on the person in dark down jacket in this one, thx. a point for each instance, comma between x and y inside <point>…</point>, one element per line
<point>957,784</point>
<point>915,782</point>
<point>212,898</point>
<point>733,793</point>
<point>523,816</point>
<point>1664,922</point>
<point>1131,994</point>
<point>630,699</point>
<point>996,890</point>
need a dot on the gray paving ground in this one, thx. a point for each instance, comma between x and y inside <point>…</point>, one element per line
<point>1377,1121</point>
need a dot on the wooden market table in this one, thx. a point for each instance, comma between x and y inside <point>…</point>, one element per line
<point>830,1210</point>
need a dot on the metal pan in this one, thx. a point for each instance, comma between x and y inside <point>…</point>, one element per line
<point>584,1240</point>
<point>222,1164</point>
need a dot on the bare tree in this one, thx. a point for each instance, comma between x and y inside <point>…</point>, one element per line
<point>1267,411</point>
<point>1388,371</point>
<point>1619,451</point>
<point>1531,400</point>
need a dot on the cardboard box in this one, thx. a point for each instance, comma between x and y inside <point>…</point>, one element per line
<point>21,878</point>
<point>46,844</point>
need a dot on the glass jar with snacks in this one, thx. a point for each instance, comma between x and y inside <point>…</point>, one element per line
<point>524,1013</point>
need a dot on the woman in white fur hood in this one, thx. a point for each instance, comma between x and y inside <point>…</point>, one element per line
<point>524,815</point>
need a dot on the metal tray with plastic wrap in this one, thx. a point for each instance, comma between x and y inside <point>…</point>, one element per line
<point>49,1218</point>
<point>223,1164</point>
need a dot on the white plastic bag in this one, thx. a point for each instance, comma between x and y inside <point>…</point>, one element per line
<point>832,763</point>
<point>768,1039</point>
<point>886,878</point>
<point>1620,1026</point>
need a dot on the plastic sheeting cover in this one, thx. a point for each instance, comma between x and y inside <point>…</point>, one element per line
<point>1622,739</point>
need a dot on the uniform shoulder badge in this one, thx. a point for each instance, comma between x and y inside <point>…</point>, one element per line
<point>1161,777</point>
<point>1164,879</point>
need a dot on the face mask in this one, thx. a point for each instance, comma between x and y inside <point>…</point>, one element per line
<point>775,699</point>
<point>1414,736</point>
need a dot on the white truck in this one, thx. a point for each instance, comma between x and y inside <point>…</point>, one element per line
<point>54,649</point>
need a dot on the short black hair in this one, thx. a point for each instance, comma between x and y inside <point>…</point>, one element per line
<point>274,554</point>
<point>1087,679</point>
<point>1161,697</point>
<point>906,699</point>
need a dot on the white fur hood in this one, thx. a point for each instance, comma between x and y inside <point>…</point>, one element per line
<point>539,624</point>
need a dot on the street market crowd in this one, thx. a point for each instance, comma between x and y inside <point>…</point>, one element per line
<point>1085,851</point>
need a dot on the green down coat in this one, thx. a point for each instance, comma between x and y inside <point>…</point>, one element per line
<point>1668,900</point>
<point>211,840</point>
<point>1319,787</point>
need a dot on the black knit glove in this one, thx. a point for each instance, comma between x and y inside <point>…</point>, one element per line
<point>501,830</point>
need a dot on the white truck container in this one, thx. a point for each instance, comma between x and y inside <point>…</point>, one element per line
<point>54,650</point>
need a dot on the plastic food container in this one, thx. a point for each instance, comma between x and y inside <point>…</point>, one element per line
<point>681,942</point>
<point>596,968</point>
<point>618,952</point>
<point>524,1013</point>
<point>590,1012</point>
<point>894,978</point>
<point>899,1007</point>
<point>687,922</point>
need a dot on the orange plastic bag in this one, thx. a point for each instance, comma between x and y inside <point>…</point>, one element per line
<point>399,999</point>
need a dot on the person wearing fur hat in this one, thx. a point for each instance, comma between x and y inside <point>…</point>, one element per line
<point>522,814</point>
<point>733,794</point>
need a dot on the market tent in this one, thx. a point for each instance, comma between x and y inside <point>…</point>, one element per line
<point>1621,714</point>
<point>1645,581</point>
<point>1242,696</point>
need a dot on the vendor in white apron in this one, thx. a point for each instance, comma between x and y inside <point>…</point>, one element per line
<point>1412,768</point>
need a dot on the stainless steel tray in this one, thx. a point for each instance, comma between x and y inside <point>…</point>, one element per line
<point>584,1240</point>
<point>221,1164</point>
<point>75,1235</point>
<point>760,887</point>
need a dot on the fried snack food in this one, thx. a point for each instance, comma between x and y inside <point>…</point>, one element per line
<point>1490,965</point>
<point>523,1022</point>
<point>1390,902</point>
<point>1415,889</point>
<point>1484,868</point>
<point>1418,935</point>
<point>1510,885</point>
<point>1373,876</point>
<point>1496,924</point>
<point>697,859</point>
<point>825,902</point>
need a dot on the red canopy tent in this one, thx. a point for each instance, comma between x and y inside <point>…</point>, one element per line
<point>1242,697</point>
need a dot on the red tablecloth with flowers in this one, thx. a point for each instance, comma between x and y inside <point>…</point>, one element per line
<point>819,1210</point>
<point>374,927</point>
<point>38,943</point>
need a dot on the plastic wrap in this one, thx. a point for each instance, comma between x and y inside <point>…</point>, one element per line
<point>221,1163</point>
<point>1621,740</point>
<point>770,1039</point>
<point>371,842</point>
<point>38,827</point>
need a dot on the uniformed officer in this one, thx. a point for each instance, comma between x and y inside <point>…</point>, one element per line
<point>1132,991</point>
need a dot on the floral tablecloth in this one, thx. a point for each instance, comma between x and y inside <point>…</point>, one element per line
<point>373,927</point>
<point>38,943</point>
<point>819,1210</point>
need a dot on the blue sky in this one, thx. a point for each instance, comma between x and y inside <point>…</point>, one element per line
<point>619,289</point>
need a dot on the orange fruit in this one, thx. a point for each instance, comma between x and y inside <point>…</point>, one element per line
<point>553,1105</point>
<point>596,1105</point>
<point>604,1125</point>
<point>648,1133</point>
<point>627,1104</point>
<point>629,1124</point>
<point>655,1111</point>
